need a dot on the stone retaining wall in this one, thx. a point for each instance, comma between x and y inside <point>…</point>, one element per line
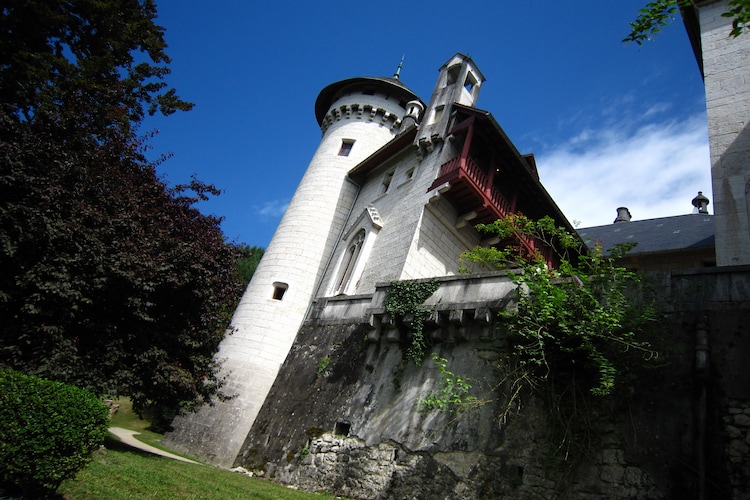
<point>353,427</point>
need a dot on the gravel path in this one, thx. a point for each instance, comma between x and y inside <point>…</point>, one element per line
<point>127,437</point>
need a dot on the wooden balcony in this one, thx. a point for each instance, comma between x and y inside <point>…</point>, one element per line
<point>471,191</point>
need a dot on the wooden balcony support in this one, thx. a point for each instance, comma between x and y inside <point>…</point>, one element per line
<point>472,191</point>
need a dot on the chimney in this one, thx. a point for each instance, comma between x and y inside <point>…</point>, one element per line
<point>623,215</point>
<point>700,202</point>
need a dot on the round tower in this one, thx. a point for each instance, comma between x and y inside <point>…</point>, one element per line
<point>357,116</point>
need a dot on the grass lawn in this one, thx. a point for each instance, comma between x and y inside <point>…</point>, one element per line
<point>121,472</point>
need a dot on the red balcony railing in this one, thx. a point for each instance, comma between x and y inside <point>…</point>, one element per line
<point>472,190</point>
<point>468,168</point>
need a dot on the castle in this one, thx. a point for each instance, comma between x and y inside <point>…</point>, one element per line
<point>392,193</point>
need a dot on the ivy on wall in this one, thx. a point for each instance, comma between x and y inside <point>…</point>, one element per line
<point>573,320</point>
<point>404,301</point>
<point>577,333</point>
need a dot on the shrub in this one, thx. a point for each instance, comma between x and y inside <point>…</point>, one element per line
<point>48,431</point>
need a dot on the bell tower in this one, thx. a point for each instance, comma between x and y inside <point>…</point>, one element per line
<point>357,117</point>
<point>459,82</point>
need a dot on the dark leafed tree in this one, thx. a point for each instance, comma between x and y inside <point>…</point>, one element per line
<point>658,13</point>
<point>109,278</point>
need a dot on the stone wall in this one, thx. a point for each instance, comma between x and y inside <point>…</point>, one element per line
<point>728,108</point>
<point>737,429</point>
<point>350,424</point>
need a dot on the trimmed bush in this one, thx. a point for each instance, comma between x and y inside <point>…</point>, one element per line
<point>48,431</point>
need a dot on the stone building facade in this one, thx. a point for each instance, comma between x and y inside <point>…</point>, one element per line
<point>392,193</point>
<point>723,61</point>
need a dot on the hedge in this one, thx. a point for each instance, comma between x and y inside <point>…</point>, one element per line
<point>48,431</point>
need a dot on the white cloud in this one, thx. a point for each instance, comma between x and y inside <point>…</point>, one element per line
<point>273,208</point>
<point>655,170</point>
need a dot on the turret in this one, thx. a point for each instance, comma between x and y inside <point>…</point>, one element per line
<point>459,82</point>
<point>357,117</point>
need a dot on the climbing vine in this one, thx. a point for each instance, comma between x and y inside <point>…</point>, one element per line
<point>453,394</point>
<point>573,321</point>
<point>404,302</point>
<point>577,332</point>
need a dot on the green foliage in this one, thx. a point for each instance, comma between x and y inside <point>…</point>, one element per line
<point>404,302</point>
<point>659,13</point>
<point>545,231</point>
<point>109,279</point>
<point>453,394</point>
<point>575,320</point>
<point>739,11</point>
<point>95,67</point>
<point>249,261</point>
<point>322,365</point>
<point>48,431</point>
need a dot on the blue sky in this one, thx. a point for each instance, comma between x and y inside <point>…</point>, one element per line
<point>610,124</point>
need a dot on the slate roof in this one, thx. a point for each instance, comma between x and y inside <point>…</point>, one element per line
<point>665,234</point>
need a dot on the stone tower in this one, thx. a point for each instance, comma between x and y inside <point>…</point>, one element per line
<point>357,117</point>
<point>459,82</point>
<point>723,60</point>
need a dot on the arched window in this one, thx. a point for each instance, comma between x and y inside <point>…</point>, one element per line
<point>349,262</point>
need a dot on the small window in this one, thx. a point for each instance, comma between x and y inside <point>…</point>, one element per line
<point>470,82</point>
<point>468,85</point>
<point>387,182</point>
<point>279,289</point>
<point>438,114</point>
<point>346,147</point>
<point>453,74</point>
<point>368,92</point>
<point>410,174</point>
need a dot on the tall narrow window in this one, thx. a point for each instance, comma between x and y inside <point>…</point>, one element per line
<point>350,260</point>
<point>453,72</point>
<point>470,82</point>
<point>346,147</point>
<point>438,114</point>
<point>387,182</point>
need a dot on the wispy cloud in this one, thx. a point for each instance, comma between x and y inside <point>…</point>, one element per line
<point>655,169</point>
<point>273,208</point>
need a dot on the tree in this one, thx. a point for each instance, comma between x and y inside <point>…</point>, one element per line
<point>109,279</point>
<point>249,262</point>
<point>95,66</point>
<point>658,13</point>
